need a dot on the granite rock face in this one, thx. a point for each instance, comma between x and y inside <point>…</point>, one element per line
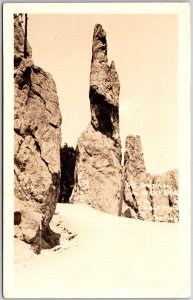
<point>148,197</point>
<point>37,141</point>
<point>98,163</point>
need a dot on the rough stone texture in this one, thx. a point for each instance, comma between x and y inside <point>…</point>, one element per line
<point>147,197</point>
<point>98,169</point>
<point>37,140</point>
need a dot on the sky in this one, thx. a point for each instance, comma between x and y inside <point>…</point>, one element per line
<point>145,51</point>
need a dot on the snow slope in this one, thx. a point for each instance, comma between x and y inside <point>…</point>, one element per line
<point>108,252</point>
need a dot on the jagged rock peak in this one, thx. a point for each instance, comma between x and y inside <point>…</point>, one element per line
<point>104,89</point>
<point>99,42</point>
<point>103,78</point>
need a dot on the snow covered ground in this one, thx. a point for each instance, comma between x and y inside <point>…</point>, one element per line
<point>105,253</point>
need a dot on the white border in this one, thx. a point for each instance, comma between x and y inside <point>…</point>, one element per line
<point>98,8</point>
<point>183,12</point>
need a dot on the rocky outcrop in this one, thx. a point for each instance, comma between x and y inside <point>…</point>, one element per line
<point>147,197</point>
<point>98,163</point>
<point>37,140</point>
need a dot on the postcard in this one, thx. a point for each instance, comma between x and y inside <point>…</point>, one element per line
<point>96,150</point>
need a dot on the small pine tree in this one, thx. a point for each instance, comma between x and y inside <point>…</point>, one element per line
<point>122,193</point>
<point>25,37</point>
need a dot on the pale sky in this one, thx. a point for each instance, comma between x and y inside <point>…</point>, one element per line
<point>145,51</point>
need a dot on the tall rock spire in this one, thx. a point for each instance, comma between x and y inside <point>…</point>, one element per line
<point>104,90</point>
<point>98,166</point>
<point>103,78</point>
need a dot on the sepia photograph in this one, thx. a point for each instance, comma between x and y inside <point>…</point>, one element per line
<point>97,150</point>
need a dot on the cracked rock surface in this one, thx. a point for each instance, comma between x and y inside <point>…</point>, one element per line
<point>98,164</point>
<point>37,140</point>
<point>148,197</point>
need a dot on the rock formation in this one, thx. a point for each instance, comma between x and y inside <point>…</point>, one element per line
<point>98,163</point>
<point>37,140</point>
<point>148,197</point>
